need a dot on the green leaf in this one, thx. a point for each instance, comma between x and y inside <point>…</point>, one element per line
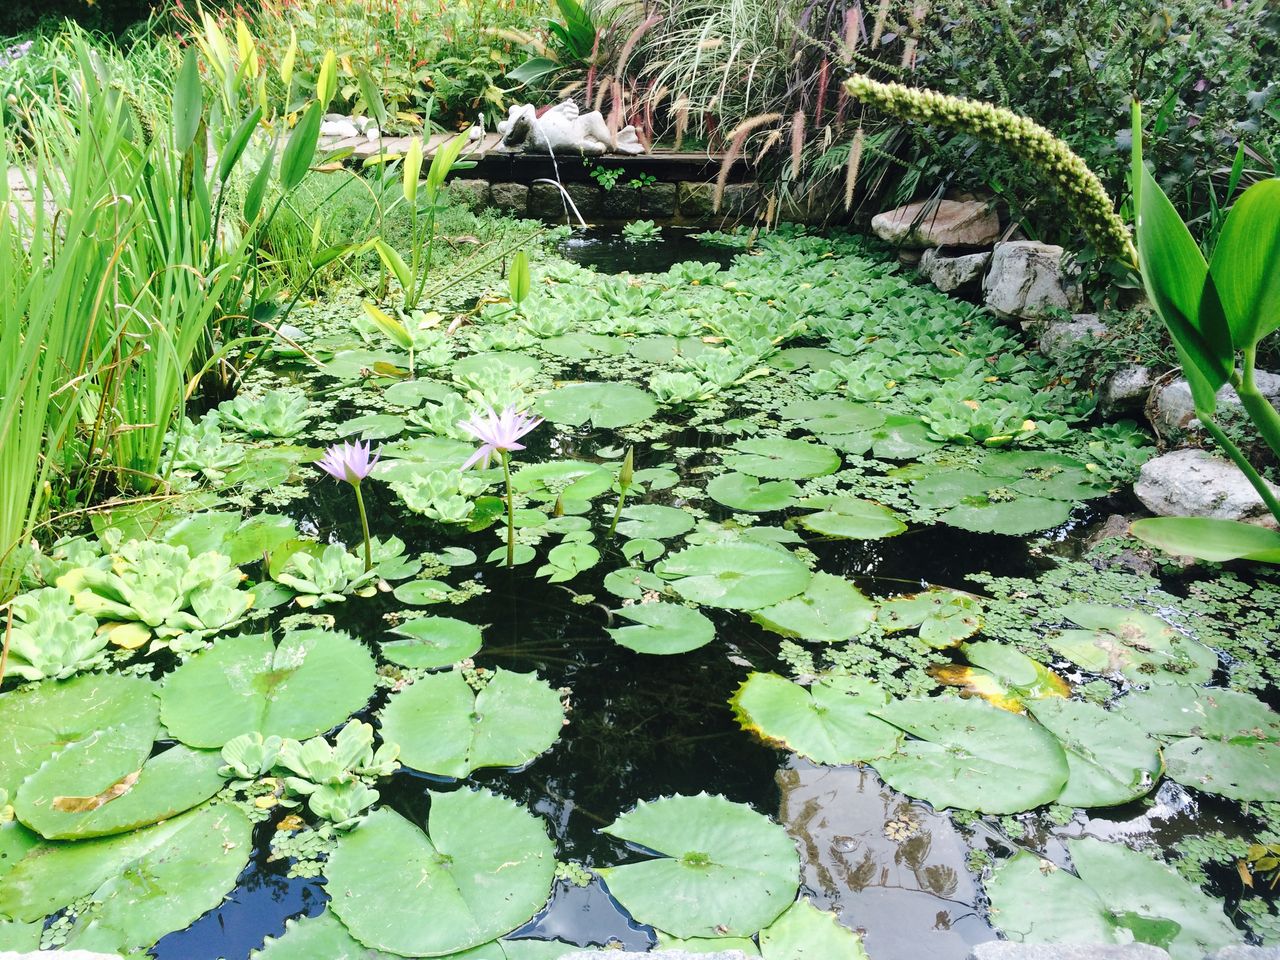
<point>850,518</point>
<point>313,938</point>
<point>535,68</point>
<point>432,642</point>
<point>1015,517</point>
<point>1137,645</point>
<point>445,157</point>
<point>827,416</point>
<point>722,868</point>
<point>662,628</point>
<point>447,729</point>
<point>1035,901</point>
<point>944,617</point>
<point>1209,539</point>
<point>188,101</point>
<point>737,576</point>
<point>257,191</point>
<point>483,868</point>
<point>235,147</point>
<point>327,79</point>
<point>371,94</point>
<point>830,722</point>
<point>972,756</point>
<point>1111,759</point>
<point>1246,264</point>
<point>830,610</point>
<point>392,327</point>
<point>388,324</point>
<point>605,405</point>
<point>741,492</point>
<point>654,522</point>
<point>312,681</point>
<point>301,148</point>
<point>806,933</point>
<point>773,458</point>
<point>518,278</point>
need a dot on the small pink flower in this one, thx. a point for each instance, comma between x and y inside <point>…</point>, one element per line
<point>348,461</point>
<point>498,433</point>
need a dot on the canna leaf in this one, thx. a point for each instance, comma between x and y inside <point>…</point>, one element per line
<point>1246,264</point>
<point>518,279</point>
<point>188,102</point>
<point>301,148</point>
<point>235,147</point>
<point>327,81</point>
<point>389,325</point>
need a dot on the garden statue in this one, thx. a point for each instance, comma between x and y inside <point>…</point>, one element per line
<point>563,130</point>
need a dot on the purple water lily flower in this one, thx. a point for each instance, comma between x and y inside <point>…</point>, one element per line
<point>348,461</point>
<point>498,433</point>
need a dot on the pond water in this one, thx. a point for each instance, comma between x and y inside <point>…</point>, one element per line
<point>908,877</point>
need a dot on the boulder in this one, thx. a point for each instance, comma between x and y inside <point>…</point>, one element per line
<point>939,223</point>
<point>628,203</point>
<point>1030,281</point>
<point>1173,411</point>
<point>472,194</point>
<point>948,270</point>
<point>1195,483</point>
<point>696,201</point>
<point>510,197</point>
<point>1055,335</point>
<point>1007,950</point>
<point>1125,390</point>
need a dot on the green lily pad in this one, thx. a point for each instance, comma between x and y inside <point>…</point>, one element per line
<point>143,884</point>
<point>972,756</point>
<point>1002,675</point>
<point>831,609</point>
<point>312,681</point>
<point>573,481</point>
<point>423,593</point>
<point>662,628</point>
<point>605,405</point>
<point>1111,760</point>
<point>806,933</point>
<point>900,437</point>
<point>707,944</point>
<point>1137,645</point>
<point>631,583</point>
<point>584,346</point>
<point>484,867</point>
<point>944,617</point>
<point>444,727</point>
<point>373,426</point>
<point>654,522</point>
<point>773,458</point>
<point>832,416</point>
<point>829,722</point>
<point>520,366</point>
<point>738,491</point>
<point>737,576</point>
<point>432,642</point>
<point>313,938</point>
<point>1015,517</point>
<point>722,869</point>
<point>87,791</point>
<point>850,518</point>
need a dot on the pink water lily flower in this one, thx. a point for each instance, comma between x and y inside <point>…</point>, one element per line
<point>498,433</point>
<point>348,461</point>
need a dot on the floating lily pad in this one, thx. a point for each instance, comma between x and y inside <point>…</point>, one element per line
<point>605,405</point>
<point>900,437</point>
<point>1014,517</point>
<point>143,884</point>
<point>850,518</point>
<point>521,366</point>
<point>737,576</point>
<point>944,617</point>
<point>432,642</point>
<point>444,727</point>
<point>1137,645</point>
<point>831,609</point>
<point>569,480</point>
<point>632,583</point>
<point>373,426</point>
<point>312,681</point>
<point>829,722</point>
<point>662,628</point>
<point>972,756</point>
<point>1111,760</point>
<point>722,870</point>
<point>654,522</point>
<point>313,938</point>
<point>1002,675</point>
<point>584,346</point>
<point>773,458</point>
<point>483,868</point>
<point>738,491</point>
<point>806,933</point>
<point>832,416</point>
<point>423,593</point>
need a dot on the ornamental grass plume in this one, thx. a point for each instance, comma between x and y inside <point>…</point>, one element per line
<point>499,434</point>
<point>1084,193</point>
<point>352,463</point>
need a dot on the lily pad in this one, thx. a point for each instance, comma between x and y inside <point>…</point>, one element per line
<point>944,617</point>
<point>972,756</point>
<point>662,628</point>
<point>722,869</point>
<point>143,884</point>
<point>832,416</point>
<point>1142,648</point>
<point>850,518</point>
<point>313,938</point>
<point>773,458</point>
<point>1014,517</point>
<point>312,681</point>
<point>806,933</point>
<point>654,522</point>
<point>831,609</point>
<point>737,576</point>
<point>830,722</point>
<point>1002,675</point>
<point>444,727</point>
<point>605,405</point>
<point>432,642</point>
<point>483,868</point>
<point>738,491</point>
<point>1111,760</point>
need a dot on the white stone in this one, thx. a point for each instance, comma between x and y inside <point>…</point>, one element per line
<point>939,223</point>
<point>1174,413</point>
<point>562,129</point>
<point>1057,334</point>
<point>951,272</point>
<point>1029,280</point>
<point>1195,483</point>
<point>1125,390</point>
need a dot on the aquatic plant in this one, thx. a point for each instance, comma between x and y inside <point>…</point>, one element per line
<point>352,463</point>
<point>500,435</point>
<point>49,637</point>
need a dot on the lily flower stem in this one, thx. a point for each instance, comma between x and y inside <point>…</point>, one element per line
<point>511,510</point>
<point>364,525</point>
<point>1238,457</point>
<point>622,499</point>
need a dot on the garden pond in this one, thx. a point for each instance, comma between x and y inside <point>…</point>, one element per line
<point>806,650</point>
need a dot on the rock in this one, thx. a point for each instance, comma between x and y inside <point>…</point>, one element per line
<point>472,194</point>
<point>1116,527</point>
<point>696,201</point>
<point>1195,483</point>
<point>1057,334</point>
<point>1125,390</point>
<point>547,203</point>
<point>1007,950</point>
<point>1029,280</point>
<point>510,197</point>
<point>657,955</point>
<point>910,259</point>
<point>628,203</point>
<point>563,130</point>
<point>1239,951</point>
<point>1174,413</point>
<point>950,271</point>
<point>939,223</point>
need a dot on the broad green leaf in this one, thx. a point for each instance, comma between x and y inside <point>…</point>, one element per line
<point>806,933</point>
<point>1035,901</point>
<point>737,576</point>
<point>944,617</point>
<point>483,868</point>
<point>235,147</point>
<point>1135,644</point>
<point>662,628</point>
<point>313,938</point>
<point>412,174</point>
<point>432,642</point>
<point>1014,517</point>
<point>654,522</point>
<point>298,153</point>
<point>1210,539</point>
<point>738,491</point>
<point>1246,264</point>
<point>188,101</point>
<point>831,609</point>
<point>829,722</point>
<point>1111,759</point>
<point>445,157</point>
<point>312,681</point>
<point>535,68</point>
<point>604,405</point>
<point>518,278</point>
<point>773,458</point>
<point>972,756</point>
<point>327,79</point>
<point>722,869</point>
<point>445,728</point>
<point>850,518</point>
<point>826,417</point>
<point>388,324</point>
<point>257,190</point>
